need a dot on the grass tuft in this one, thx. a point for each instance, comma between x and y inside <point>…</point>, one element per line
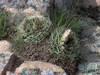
<point>4,31</point>
<point>68,19</point>
<point>18,43</point>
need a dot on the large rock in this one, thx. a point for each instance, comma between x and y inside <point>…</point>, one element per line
<point>93,3</point>
<point>6,57</point>
<point>90,49</point>
<point>43,66</point>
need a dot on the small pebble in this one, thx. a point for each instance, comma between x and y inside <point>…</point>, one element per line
<point>93,49</point>
<point>64,74</point>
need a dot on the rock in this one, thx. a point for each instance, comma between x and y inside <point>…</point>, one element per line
<point>6,57</point>
<point>98,29</point>
<point>92,66</point>
<point>64,74</point>
<point>93,73</point>
<point>43,66</point>
<point>11,10</point>
<point>9,73</point>
<point>2,2</point>
<point>65,4</point>
<point>87,74</point>
<point>90,28</point>
<point>29,11</point>
<point>39,5</point>
<point>49,72</point>
<point>93,3</point>
<point>26,71</point>
<point>90,20</point>
<point>35,3</point>
<point>44,9</point>
<point>8,65</point>
<point>90,31</point>
<point>79,73</point>
<point>5,47</point>
<point>91,49</point>
<point>15,17</point>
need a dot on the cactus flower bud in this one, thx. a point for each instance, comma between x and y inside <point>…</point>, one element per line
<point>31,30</point>
<point>24,27</point>
<point>34,24</point>
<point>27,30</point>
<point>65,36</point>
<point>23,23</point>
<point>36,19</point>
<point>63,47</point>
<point>26,20</point>
<point>35,27</point>
<point>62,43</point>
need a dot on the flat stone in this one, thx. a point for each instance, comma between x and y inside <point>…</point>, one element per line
<point>43,66</point>
<point>6,64</point>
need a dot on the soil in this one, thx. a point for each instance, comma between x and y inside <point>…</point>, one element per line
<point>39,51</point>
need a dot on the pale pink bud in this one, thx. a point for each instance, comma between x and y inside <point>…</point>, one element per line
<point>36,19</point>
<point>34,24</point>
<point>69,30</point>
<point>26,20</point>
<point>63,47</point>
<point>62,43</point>
<point>66,36</point>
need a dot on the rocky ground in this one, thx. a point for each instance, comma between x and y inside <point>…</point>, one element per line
<point>12,65</point>
<point>90,45</point>
<point>9,63</point>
